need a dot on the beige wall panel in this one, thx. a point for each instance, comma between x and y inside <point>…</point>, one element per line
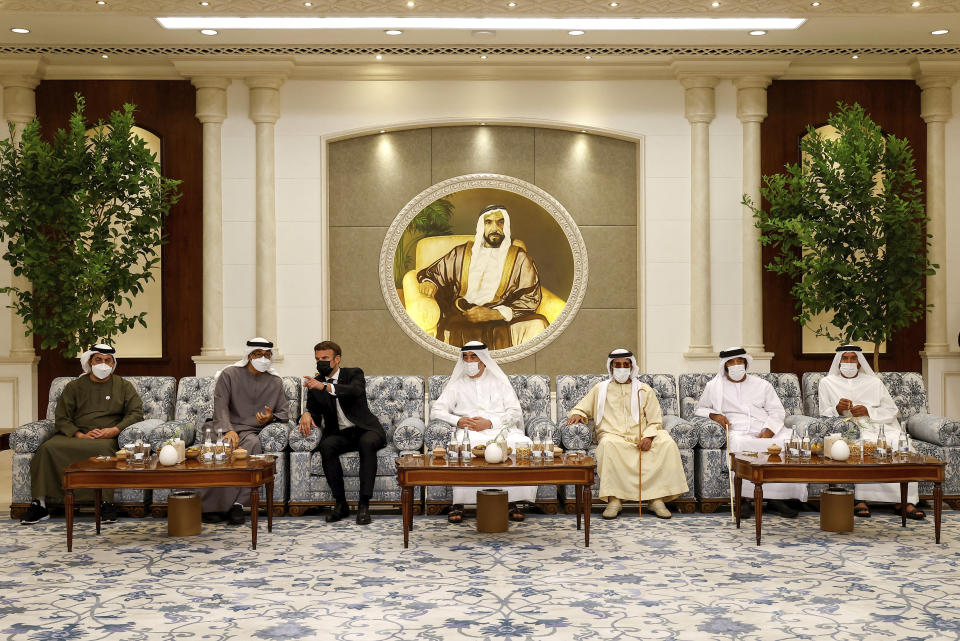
<point>472,150</point>
<point>612,252</point>
<point>373,177</point>
<point>593,177</point>
<point>355,258</point>
<point>588,340</point>
<point>373,341</point>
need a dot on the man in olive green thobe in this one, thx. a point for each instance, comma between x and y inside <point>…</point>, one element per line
<point>629,425</point>
<point>91,413</point>
<point>247,397</point>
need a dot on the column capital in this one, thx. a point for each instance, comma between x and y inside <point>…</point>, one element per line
<point>936,99</point>
<point>264,98</point>
<point>19,98</point>
<point>699,101</point>
<point>211,98</point>
<point>751,98</point>
<point>211,82</point>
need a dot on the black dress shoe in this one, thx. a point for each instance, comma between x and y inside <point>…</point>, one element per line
<point>108,512</point>
<point>211,517</point>
<point>235,515</point>
<point>363,515</point>
<point>340,511</point>
<point>784,510</point>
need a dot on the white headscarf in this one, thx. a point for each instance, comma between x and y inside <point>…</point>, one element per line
<point>490,366</point>
<point>715,387</point>
<point>843,349</point>
<point>99,348</point>
<point>252,344</point>
<point>487,260</point>
<point>634,385</point>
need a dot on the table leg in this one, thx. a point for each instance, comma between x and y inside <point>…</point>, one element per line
<point>423,500</point>
<point>578,496</point>
<point>254,507</point>
<point>738,495</point>
<point>587,501</point>
<point>937,503</point>
<point>758,506</point>
<point>270,506</point>
<point>68,502</point>
<point>406,494</point>
<point>903,504</point>
<point>97,499</point>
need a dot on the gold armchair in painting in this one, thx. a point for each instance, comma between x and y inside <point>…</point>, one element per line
<point>426,312</point>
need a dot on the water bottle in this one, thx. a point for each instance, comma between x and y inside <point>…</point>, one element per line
<point>881,444</point>
<point>453,448</point>
<point>905,447</point>
<point>206,450</point>
<point>466,453</point>
<point>805,452</point>
<point>537,449</point>
<point>793,445</point>
<point>219,453</point>
<point>548,447</point>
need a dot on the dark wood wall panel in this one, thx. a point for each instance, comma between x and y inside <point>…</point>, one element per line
<point>167,109</point>
<point>792,105</point>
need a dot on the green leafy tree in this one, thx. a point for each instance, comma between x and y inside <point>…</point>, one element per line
<point>82,218</point>
<point>433,220</point>
<point>847,223</point>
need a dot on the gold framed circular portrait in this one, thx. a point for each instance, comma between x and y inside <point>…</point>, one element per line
<point>483,257</point>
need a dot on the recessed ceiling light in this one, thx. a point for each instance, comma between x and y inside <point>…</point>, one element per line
<point>101,2</point>
<point>511,4</point>
<point>714,4</point>
<point>814,4</point>
<point>588,57</point>
<point>208,32</point>
<point>939,32</point>
<point>855,57</point>
<point>393,32</point>
<point>614,4</point>
<point>483,33</point>
<point>104,56</point>
<point>483,124</point>
<point>411,3</point>
<point>20,30</point>
<point>204,3</point>
<point>575,32</point>
<point>379,57</point>
<point>758,32</point>
<point>583,131</point>
<point>308,4</point>
<point>915,4</point>
<point>383,131</point>
<point>483,57</point>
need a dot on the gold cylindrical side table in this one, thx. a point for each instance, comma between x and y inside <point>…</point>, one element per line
<point>183,514</point>
<point>491,511</point>
<point>836,510</point>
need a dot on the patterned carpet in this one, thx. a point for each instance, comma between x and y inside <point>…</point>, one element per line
<point>695,577</point>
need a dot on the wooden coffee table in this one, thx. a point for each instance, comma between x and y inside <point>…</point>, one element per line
<point>762,468</point>
<point>424,470</point>
<point>98,474</point>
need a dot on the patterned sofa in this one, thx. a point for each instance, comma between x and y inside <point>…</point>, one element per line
<point>932,435</point>
<point>398,402</point>
<point>580,436</point>
<point>533,392</point>
<point>156,392</point>
<point>712,480</point>
<point>195,405</point>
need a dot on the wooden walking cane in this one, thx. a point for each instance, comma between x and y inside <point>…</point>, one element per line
<point>733,516</point>
<point>640,459</point>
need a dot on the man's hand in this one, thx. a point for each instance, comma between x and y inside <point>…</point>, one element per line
<point>844,405</point>
<point>79,434</point>
<point>859,411</point>
<point>312,383</point>
<point>645,444</point>
<point>105,432</point>
<point>474,423</point>
<point>427,288</point>
<point>576,418</point>
<point>720,418</point>
<point>233,437</point>
<point>482,314</point>
<point>766,433</point>
<point>306,424</point>
<point>265,416</point>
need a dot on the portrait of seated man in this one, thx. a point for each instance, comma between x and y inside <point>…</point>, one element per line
<point>488,290</point>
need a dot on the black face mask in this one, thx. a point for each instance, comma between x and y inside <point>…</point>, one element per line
<point>324,368</point>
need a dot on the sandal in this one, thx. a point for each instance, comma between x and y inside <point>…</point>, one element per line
<point>915,514</point>
<point>861,510</point>
<point>455,515</point>
<point>515,514</point>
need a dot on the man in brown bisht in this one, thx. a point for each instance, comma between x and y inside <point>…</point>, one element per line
<point>91,413</point>
<point>248,396</point>
<point>488,290</point>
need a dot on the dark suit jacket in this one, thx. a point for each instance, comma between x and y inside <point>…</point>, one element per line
<point>351,391</point>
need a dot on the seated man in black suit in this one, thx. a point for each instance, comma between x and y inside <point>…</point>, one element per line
<point>338,397</point>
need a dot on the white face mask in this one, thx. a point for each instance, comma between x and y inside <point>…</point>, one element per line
<point>473,368</point>
<point>621,374</point>
<point>737,372</point>
<point>102,370</point>
<point>261,364</point>
<point>849,370</point>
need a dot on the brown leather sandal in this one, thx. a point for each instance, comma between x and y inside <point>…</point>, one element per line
<point>455,515</point>
<point>515,514</point>
<point>915,514</point>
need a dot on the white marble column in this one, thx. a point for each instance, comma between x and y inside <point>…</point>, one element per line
<point>700,110</point>
<point>752,110</point>
<point>264,112</point>
<point>211,112</point>
<point>20,109</point>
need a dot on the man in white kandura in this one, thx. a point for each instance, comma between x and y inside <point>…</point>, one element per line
<point>629,425</point>
<point>478,398</point>
<point>750,410</point>
<point>851,389</point>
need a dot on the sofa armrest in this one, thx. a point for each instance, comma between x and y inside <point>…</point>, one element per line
<point>576,436</point>
<point>438,433</point>
<point>141,429</point>
<point>275,436</point>
<point>685,434</point>
<point>28,437</point>
<point>300,443</point>
<point>167,430</point>
<point>541,426</point>
<point>408,435</point>
<point>937,430</point>
<point>710,434</point>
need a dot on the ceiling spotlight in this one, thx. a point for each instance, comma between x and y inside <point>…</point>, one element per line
<point>379,57</point>
<point>511,4</point>
<point>20,30</point>
<point>575,32</point>
<point>714,4</point>
<point>915,4</point>
<point>104,56</point>
<point>101,2</point>
<point>758,32</point>
<point>583,131</point>
<point>383,131</point>
<point>483,57</point>
<point>411,3</point>
<point>393,32</point>
<point>855,57</point>
<point>308,4</point>
<point>588,57</point>
<point>814,4</point>
<point>614,4</point>
<point>204,3</point>
<point>483,124</point>
<point>939,32</point>
<point>208,32</point>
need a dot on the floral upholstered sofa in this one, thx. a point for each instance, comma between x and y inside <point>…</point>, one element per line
<point>932,435</point>
<point>580,436</point>
<point>398,402</point>
<point>156,392</point>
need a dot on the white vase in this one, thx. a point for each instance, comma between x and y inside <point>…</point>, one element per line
<point>493,453</point>
<point>840,451</point>
<point>168,455</point>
